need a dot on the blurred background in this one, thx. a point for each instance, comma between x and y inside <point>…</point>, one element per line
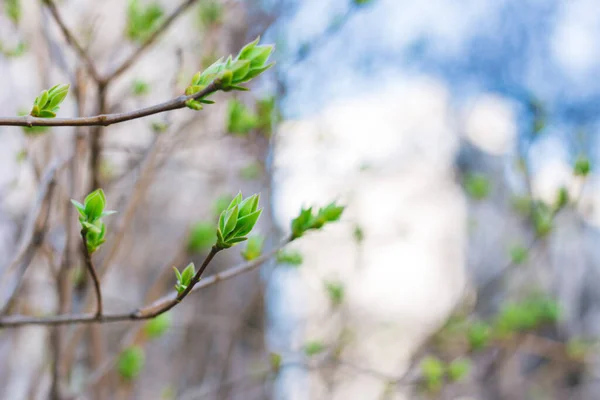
<point>460,135</point>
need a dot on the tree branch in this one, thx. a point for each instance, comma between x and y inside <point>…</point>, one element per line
<point>109,119</point>
<point>160,306</point>
<point>73,41</point>
<point>140,50</point>
<point>89,264</point>
<point>32,237</point>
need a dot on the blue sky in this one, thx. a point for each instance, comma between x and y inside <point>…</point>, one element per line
<point>547,48</point>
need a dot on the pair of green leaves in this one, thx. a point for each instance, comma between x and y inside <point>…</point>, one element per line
<point>237,220</point>
<point>46,105</point>
<point>90,217</point>
<point>184,279</point>
<point>308,220</point>
<point>229,74</point>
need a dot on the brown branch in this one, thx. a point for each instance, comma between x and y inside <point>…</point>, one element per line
<point>110,119</point>
<point>33,235</point>
<point>96,141</point>
<point>141,187</point>
<point>89,264</point>
<point>140,50</point>
<point>71,40</point>
<point>160,306</point>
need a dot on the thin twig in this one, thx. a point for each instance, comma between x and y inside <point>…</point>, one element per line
<point>89,264</point>
<point>73,41</point>
<point>160,306</point>
<point>110,119</point>
<point>140,50</point>
<point>33,234</point>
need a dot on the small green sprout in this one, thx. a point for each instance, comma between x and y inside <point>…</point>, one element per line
<point>46,105</point>
<point>308,220</point>
<point>184,279</point>
<point>237,220</point>
<point>91,213</point>
<point>229,74</point>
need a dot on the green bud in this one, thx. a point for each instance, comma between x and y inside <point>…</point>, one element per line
<point>237,220</point>
<point>185,278</point>
<point>247,49</point>
<point>194,105</point>
<point>260,55</point>
<point>240,69</point>
<point>46,105</point>
<point>94,204</point>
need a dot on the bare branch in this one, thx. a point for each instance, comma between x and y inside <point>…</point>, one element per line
<point>159,31</point>
<point>160,306</point>
<point>89,264</point>
<point>81,52</point>
<point>109,119</point>
<point>32,236</point>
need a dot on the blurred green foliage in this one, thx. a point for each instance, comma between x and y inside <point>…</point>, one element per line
<point>210,13</point>
<point>201,237</point>
<point>477,186</point>
<point>290,257</point>
<point>142,21</point>
<point>158,326</point>
<point>131,363</point>
<point>336,292</point>
<point>140,87</point>
<point>253,248</point>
